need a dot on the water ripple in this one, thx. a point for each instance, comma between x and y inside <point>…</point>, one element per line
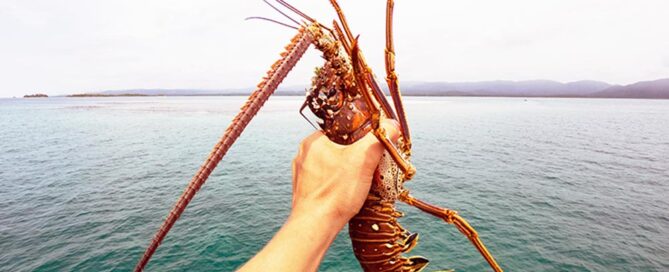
<point>550,184</point>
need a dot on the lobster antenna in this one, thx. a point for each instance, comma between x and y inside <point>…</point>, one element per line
<point>282,13</point>
<point>293,9</point>
<point>270,20</point>
<point>288,6</point>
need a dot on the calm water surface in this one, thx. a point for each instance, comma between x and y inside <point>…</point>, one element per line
<point>550,184</point>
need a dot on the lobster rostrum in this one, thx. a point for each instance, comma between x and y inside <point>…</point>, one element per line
<point>349,104</point>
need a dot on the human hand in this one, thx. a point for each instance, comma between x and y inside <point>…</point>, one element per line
<point>330,184</point>
<point>333,180</point>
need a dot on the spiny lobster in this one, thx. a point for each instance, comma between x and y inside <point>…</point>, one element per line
<point>350,104</point>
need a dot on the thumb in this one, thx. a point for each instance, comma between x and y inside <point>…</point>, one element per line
<point>392,131</point>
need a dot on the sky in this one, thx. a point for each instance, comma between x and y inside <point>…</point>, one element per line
<point>62,47</point>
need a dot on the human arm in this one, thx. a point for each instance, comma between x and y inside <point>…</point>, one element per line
<point>330,184</point>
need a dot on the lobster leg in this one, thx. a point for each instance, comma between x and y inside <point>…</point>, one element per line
<point>452,217</point>
<point>391,76</point>
<point>408,168</point>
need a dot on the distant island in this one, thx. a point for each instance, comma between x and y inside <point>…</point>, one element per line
<point>37,95</point>
<point>657,89</point>
<point>105,95</point>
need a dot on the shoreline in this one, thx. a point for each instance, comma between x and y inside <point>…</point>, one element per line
<point>302,95</point>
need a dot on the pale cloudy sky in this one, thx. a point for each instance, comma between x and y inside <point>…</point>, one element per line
<point>59,47</point>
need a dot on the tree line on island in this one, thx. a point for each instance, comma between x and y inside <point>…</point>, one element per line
<point>657,89</point>
<point>37,95</point>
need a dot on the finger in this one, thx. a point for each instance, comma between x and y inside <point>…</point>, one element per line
<point>370,142</point>
<point>392,129</point>
<point>374,148</point>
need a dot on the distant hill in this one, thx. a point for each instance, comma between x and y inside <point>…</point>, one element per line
<point>530,88</point>
<point>289,90</point>
<point>103,95</point>
<point>658,89</point>
<point>504,88</point>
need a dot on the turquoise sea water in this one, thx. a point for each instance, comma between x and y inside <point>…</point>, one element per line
<point>550,184</point>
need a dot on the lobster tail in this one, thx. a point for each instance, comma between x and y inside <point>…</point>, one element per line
<point>415,263</point>
<point>267,86</point>
<point>379,240</point>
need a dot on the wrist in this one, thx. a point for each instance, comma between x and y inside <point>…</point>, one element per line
<point>323,219</point>
<point>300,244</point>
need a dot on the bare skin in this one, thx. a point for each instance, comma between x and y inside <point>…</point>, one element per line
<point>330,184</point>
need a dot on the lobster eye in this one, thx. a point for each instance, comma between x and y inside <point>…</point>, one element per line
<point>336,101</point>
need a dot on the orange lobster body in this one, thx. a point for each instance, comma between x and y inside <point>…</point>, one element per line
<point>349,104</point>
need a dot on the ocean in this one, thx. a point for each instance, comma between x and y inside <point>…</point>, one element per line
<point>551,184</point>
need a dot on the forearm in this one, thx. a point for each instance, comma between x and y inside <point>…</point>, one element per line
<point>299,245</point>
<point>330,184</point>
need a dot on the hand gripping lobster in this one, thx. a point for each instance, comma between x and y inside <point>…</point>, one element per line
<point>349,104</point>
